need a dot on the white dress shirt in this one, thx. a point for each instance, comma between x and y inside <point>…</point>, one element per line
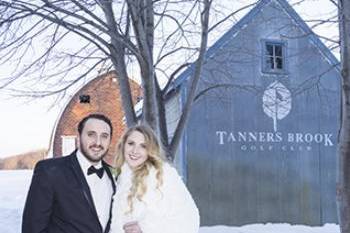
<point>100,188</point>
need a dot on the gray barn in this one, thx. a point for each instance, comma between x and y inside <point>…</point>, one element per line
<point>260,145</point>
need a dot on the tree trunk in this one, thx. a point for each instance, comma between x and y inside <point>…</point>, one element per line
<point>343,182</point>
<point>117,50</point>
<point>142,17</point>
<point>194,82</point>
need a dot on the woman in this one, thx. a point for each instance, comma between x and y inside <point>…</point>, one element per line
<point>149,190</point>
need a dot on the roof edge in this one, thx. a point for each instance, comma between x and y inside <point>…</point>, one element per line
<point>246,19</point>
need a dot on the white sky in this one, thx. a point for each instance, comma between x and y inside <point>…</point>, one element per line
<point>27,126</point>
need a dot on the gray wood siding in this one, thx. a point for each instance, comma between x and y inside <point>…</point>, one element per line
<point>173,111</point>
<point>284,176</point>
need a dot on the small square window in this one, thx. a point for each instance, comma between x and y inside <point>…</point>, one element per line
<point>84,99</point>
<point>274,57</point>
<point>68,144</point>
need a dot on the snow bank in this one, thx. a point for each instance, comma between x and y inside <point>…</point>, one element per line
<point>14,187</point>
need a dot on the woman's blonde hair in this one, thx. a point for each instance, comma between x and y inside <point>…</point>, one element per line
<point>155,159</point>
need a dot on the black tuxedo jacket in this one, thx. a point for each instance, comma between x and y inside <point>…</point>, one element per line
<point>59,199</point>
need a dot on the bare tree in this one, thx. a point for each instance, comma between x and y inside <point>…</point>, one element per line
<point>77,38</point>
<point>160,38</point>
<point>343,186</point>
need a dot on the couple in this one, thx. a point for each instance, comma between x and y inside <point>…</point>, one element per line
<point>77,193</point>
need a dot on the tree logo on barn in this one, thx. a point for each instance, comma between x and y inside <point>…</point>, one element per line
<point>277,102</point>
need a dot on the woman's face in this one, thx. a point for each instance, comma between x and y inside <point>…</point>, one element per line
<point>135,151</point>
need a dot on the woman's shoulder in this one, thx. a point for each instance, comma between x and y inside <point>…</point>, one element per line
<point>125,175</point>
<point>169,169</point>
<point>170,174</point>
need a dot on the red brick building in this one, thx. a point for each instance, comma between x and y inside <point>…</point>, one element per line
<point>100,95</point>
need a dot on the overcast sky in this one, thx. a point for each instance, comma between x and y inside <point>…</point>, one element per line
<point>28,125</point>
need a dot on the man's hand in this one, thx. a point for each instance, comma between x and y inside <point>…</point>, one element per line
<point>132,227</point>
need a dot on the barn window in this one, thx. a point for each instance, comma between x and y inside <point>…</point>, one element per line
<point>84,99</point>
<point>274,57</point>
<point>68,144</point>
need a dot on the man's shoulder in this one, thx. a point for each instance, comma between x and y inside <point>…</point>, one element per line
<point>56,162</point>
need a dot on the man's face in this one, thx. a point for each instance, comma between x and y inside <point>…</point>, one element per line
<point>95,139</point>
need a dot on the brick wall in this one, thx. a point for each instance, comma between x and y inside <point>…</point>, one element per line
<point>105,98</point>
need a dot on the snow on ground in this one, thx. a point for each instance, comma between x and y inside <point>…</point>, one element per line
<point>271,228</point>
<point>13,190</point>
<point>14,186</point>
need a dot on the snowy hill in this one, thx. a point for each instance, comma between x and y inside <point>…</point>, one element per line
<point>23,161</point>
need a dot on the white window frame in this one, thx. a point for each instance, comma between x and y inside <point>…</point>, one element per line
<point>265,56</point>
<point>68,144</point>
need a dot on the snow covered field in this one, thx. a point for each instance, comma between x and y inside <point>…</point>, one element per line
<point>14,186</point>
<point>13,191</point>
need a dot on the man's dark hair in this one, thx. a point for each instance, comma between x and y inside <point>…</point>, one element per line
<point>94,116</point>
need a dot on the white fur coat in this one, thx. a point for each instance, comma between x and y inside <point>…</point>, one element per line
<point>169,209</point>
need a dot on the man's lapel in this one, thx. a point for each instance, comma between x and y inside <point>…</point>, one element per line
<point>110,176</point>
<point>108,171</point>
<point>83,183</point>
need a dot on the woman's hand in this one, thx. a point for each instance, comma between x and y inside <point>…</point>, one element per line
<point>132,227</point>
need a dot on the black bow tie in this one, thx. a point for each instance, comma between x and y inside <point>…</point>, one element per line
<point>99,172</point>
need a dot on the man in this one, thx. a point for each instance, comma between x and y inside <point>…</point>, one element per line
<point>74,193</point>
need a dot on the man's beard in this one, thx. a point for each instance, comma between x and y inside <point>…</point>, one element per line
<point>90,158</point>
